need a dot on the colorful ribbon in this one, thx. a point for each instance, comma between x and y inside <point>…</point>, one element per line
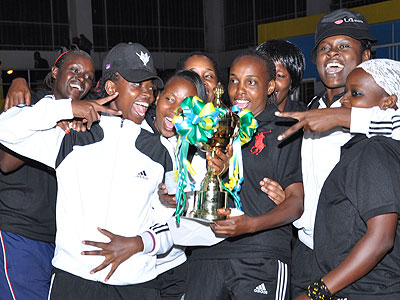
<point>248,126</point>
<point>196,124</point>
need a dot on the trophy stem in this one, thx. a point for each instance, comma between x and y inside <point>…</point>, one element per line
<point>210,198</point>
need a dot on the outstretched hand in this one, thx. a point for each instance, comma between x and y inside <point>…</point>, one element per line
<point>118,250</point>
<point>88,109</point>
<point>316,120</point>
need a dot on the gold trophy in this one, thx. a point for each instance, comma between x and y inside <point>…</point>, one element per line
<point>212,196</point>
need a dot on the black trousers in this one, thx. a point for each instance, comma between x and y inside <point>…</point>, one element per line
<point>237,278</point>
<point>173,283</point>
<point>302,275</point>
<point>70,287</point>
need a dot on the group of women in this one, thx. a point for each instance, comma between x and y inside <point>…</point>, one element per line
<point>263,81</point>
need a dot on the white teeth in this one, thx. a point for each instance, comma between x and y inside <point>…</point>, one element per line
<point>168,118</point>
<point>334,65</point>
<point>241,101</point>
<point>142,104</point>
<point>76,86</point>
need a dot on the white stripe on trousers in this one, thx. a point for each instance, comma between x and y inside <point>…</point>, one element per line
<point>281,283</point>
<point>51,284</point>
<point>5,265</point>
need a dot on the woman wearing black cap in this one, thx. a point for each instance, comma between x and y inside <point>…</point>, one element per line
<point>342,41</point>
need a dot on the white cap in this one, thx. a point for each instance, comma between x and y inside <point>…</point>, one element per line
<point>386,73</point>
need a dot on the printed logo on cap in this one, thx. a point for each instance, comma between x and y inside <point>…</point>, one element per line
<point>348,20</point>
<point>144,57</point>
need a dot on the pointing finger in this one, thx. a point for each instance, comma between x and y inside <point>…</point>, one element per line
<point>106,99</point>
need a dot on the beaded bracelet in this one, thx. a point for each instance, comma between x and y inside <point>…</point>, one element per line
<point>319,291</point>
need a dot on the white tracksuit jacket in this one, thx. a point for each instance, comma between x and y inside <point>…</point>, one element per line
<point>107,177</point>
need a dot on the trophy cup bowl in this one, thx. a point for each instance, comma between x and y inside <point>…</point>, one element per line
<point>212,195</point>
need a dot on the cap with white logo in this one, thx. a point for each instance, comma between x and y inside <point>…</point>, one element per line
<point>133,62</point>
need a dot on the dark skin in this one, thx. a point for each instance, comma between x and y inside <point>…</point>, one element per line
<point>285,213</point>
<point>204,67</point>
<point>127,95</point>
<point>273,189</point>
<point>219,164</point>
<point>118,250</point>
<point>72,80</point>
<point>369,250</point>
<point>121,248</point>
<point>283,83</point>
<point>18,93</point>
<point>337,56</point>
<point>168,105</point>
<point>88,110</point>
<point>362,91</point>
<point>249,81</point>
<point>9,163</point>
<point>133,99</point>
<point>316,120</point>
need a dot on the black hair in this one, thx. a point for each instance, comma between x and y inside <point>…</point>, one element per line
<point>108,75</point>
<point>194,78</point>
<point>181,63</point>
<point>221,77</point>
<point>269,65</point>
<point>290,56</point>
<point>48,81</point>
<point>365,45</point>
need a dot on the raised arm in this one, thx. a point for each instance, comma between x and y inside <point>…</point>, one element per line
<point>370,121</point>
<point>29,131</point>
<point>18,93</point>
<point>316,120</point>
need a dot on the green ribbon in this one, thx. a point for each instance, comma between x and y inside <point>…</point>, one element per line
<point>196,124</point>
<point>248,126</point>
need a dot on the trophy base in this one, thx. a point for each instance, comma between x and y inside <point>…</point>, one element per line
<point>206,205</point>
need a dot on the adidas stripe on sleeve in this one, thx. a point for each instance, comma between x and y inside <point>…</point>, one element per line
<point>157,240</point>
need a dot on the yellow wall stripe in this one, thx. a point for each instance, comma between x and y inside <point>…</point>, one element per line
<point>374,13</point>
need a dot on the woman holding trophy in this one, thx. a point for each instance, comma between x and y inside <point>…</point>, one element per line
<point>253,261</point>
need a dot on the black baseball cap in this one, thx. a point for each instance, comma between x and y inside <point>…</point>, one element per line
<point>133,62</point>
<point>342,22</point>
